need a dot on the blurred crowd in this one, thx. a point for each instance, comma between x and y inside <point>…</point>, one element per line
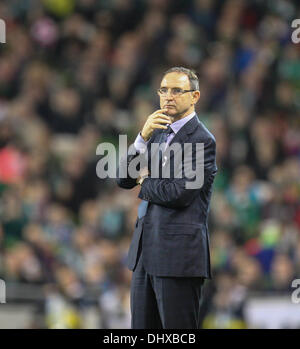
<point>74,74</point>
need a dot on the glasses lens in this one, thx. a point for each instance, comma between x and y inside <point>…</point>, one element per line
<point>176,91</point>
<point>163,91</point>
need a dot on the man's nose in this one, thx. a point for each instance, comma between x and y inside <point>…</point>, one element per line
<point>169,95</point>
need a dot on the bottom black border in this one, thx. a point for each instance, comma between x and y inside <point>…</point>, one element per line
<point>141,338</point>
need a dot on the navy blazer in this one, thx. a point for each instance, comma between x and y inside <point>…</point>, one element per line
<point>175,237</point>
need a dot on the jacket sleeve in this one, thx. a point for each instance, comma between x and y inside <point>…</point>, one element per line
<point>172,192</point>
<point>124,180</point>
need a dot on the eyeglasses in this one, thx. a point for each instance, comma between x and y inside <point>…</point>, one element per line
<point>175,91</point>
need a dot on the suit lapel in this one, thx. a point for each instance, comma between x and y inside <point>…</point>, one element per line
<point>182,135</point>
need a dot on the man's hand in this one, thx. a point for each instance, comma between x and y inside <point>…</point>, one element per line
<point>156,120</point>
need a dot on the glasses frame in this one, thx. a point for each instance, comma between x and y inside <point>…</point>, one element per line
<point>172,94</point>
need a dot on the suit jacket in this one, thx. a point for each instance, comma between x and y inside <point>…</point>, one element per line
<point>173,234</point>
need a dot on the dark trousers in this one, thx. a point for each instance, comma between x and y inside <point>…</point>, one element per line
<point>164,302</point>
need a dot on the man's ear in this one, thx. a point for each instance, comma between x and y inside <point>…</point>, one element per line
<point>196,96</point>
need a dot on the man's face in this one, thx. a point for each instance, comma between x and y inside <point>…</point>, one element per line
<point>180,105</point>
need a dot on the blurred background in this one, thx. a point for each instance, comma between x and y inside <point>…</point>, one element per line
<point>74,74</point>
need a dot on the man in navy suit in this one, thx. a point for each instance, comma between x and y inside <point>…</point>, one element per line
<point>169,252</point>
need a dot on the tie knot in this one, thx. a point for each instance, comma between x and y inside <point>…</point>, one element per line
<point>168,130</point>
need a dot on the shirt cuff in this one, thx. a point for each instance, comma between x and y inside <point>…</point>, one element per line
<point>139,144</point>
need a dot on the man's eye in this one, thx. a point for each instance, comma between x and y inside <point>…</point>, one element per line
<point>163,90</point>
<point>176,91</point>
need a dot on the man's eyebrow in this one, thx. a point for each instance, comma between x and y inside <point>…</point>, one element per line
<point>171,87</point>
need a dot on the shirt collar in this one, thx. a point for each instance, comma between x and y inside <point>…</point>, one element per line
<point>176,126</point>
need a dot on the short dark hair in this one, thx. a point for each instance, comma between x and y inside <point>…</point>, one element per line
<point>194,82</point>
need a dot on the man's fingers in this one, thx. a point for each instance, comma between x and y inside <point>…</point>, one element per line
<point>154,121</point>
<point>159,126</point>
<point>161,110</point>
<point>162,116</point>
<point>162,121</point>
